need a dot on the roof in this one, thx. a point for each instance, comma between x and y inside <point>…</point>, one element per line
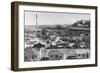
<point>55,52</point>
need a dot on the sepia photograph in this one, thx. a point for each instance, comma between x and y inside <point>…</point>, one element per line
<point>56,36</point>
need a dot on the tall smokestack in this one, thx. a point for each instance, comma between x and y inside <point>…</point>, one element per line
<point>36,21</point>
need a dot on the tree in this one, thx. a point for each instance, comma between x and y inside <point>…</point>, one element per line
<point>59,27</point>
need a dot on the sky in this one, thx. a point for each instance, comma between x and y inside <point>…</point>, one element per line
<point>51,18</point>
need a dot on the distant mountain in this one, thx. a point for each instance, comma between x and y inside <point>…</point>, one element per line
<point>82,23</point>
<point>30,27</point>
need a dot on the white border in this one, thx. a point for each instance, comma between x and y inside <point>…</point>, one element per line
<point>23,64</point>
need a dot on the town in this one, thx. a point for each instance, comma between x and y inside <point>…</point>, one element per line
<point>57,42</point>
